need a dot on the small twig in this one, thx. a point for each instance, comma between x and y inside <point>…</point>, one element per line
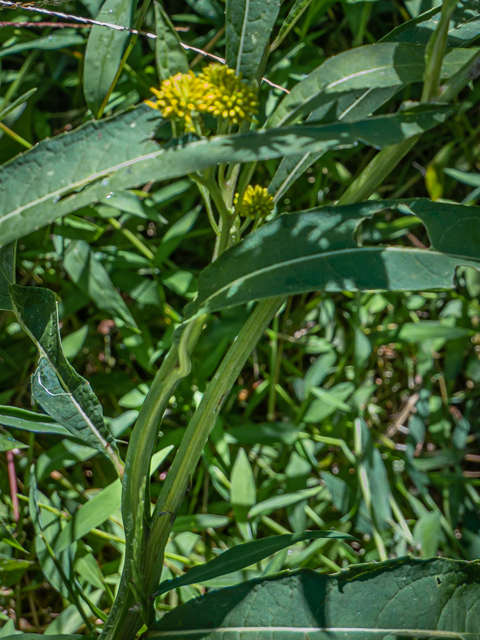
<point>12,479</point>
<point>402,416</point>
<point>117,27</point>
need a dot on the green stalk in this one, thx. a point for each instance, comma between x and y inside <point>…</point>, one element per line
<point>435,52</point>
<point>197,433</point>
<point>121,622</point>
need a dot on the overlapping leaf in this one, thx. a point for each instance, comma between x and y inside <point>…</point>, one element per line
<point>104,51</point>
<point>249,24</point>
<point>408,598</point>
<point>100,158</point>
<point>169,55</point>
<point>58,388</point>
<point>316,250</point>
<point>387,64</point>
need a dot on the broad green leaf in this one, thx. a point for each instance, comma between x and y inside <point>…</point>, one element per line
<point>169,54</point>
<point>374,472</point>
<point>29,421</point>
<point>91,277</point>
<point>249,24</point>
<point>387,64</point>
<point>329,402</point>
<point>58,388</point>
<point>7,538</point>
<point>7,275</point>
<point>316,250</point>
<point>427,533</point>
<point>290,21</point>
<point>104,51</point>
<point>91,515</point>
<point>100,158</point>
<point>174,235</point>
<point>472,179</point>
<point>244,555</point>
<point>47,43</point>
<point>402,598</point>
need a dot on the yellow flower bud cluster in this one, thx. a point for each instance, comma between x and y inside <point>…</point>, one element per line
<point>256,202</point>
<point>216,90</point>
<point>233,100</point>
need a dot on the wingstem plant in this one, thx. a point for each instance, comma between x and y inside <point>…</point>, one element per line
<point>204,110</point>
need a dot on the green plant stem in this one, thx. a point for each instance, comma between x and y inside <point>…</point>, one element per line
<point>203,422</point>
<point>121,622</point>
<point>131,237</point>
<point>15,136</point>
<point>435,52</point>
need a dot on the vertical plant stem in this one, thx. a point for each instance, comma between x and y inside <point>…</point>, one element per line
<point>197,434</point>
<point>435,52</point>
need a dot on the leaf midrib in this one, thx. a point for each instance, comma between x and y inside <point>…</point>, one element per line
<point>326,254</point>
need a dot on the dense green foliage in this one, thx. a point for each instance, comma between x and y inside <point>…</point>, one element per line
<point>342,420</point>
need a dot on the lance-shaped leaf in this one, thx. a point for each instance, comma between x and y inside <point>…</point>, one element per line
<point>244,555</point>
<point>295,13</point>
<point>316,250</point>
<point>104,51</point>
<point>404,598</point>
<point>119,154</point>
<point>249,24</point>
<point>7,275</point>
<point>58,388</point>
<point>92,278</point>
<point>25,420</point>
<point>463,29</point>
<point>387,64</point>
<point>169,54</point>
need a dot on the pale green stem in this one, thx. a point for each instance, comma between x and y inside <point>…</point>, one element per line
<point>195,438</point>
<point>121,622</point>
<point>15,136</point>
<point>435,52</point>
<point>131,237</point>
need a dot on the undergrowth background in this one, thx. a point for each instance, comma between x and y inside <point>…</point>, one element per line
<point>408,363</point>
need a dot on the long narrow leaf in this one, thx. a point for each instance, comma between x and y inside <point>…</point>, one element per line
<point>316,250</point>
<point>244,555</point>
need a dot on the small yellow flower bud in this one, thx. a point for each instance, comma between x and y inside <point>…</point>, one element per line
<point>256,202</point>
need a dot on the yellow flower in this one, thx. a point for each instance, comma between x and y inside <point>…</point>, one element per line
<point>216,90</point>
<point>233,100</point>
<point>183,97</point>
<point>256,202</point>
